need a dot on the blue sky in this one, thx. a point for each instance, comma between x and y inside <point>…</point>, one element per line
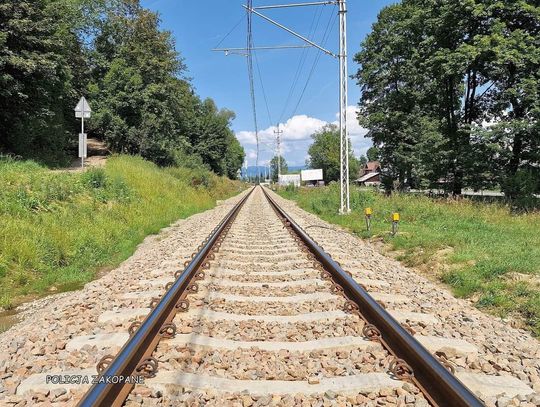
<point>198,26</point>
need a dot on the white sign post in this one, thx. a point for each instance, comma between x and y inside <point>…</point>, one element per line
<point>83,147</point>
<point>83,111</point>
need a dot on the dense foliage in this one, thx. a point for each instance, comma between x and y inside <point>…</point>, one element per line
<point>37,77</point>
<point>451,94</point>
<point>372,154</point>
<point>325,154</point>
<point>116,54</point>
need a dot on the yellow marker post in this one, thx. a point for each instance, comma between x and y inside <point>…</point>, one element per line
<point>395,222</point>
<point>368,212</point>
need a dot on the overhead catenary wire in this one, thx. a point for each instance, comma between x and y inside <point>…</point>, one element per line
<point>303,57</point>
<point>230,32</point>
<point>262,88</point>
<point>251,54</point>
<point>325,38</point>
<point>341,55</point>
<point>249,47</point>
<point>305,52</point>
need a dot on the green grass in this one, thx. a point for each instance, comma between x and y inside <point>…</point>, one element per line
<point>481,250</point>
<point>57,229</point>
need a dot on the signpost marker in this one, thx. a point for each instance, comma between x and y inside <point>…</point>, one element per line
<point>368,212</point>
<point>395,223</point>
<point>83,111</point>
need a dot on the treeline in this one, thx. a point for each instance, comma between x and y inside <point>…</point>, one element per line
<point>451,94</point>
<point>115,53</point>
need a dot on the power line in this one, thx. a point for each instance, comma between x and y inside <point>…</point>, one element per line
<point>315,62</point>
<point>313,29</point>
<point>262,87</point>
<point>230,32</point>
<point>343,79</point>
<point>303,57</point>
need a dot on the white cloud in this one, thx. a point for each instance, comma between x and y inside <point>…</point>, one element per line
<point>296,137</point>
<point>296,128</point>
<point>251,154</point>
<point>353,127</point>
<point>357,133</point>
<point>301,127</point>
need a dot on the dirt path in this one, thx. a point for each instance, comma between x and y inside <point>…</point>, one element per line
<point>97,156</point>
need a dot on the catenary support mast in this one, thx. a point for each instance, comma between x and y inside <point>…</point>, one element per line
<point>345,206</point>
<point>278,139</point>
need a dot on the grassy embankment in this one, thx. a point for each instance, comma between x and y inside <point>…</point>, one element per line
<point>58,229</point>
<point>481,250</point>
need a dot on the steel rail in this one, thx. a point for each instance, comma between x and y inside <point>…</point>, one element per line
<point>437,383</point>
<point>144,341</point>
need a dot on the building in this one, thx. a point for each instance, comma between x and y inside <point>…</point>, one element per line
<point>370,167</point>
<point>370,174</point>
<point>289,179</point>
<point>312,177</point>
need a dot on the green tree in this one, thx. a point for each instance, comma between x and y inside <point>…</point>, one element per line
<point>115,53</point>
<point>362,161</point>
<point>433,72</point>
<point>210,142</point>
<point>514,93</point>
<point>36,79</point>
<point>145,106</point>
<point>135,89</point>
<point>234,157</point>
<point>275,164</point>
<point>373,154</point>
<point>325,154</point>
<point>389,76</point>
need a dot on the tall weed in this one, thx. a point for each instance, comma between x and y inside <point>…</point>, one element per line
<point>58,228</point>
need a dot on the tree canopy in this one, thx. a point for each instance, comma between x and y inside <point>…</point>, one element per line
<point>372,154</point>
<point>275,163</point>
<point>450,92</point>
<point>36,77</point>
<point>325,154</point>
<point>114,53</point>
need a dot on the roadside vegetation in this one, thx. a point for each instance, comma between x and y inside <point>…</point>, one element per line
<point>482,251</point>
<point>451,95</point>
<point>115,53</point>
<point>58,229</point>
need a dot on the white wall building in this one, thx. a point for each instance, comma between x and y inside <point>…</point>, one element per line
<point>311,175</point>
<point>289,179</point>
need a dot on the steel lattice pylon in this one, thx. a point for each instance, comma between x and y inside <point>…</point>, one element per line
<point>343,75</point>
<point>345,206</point>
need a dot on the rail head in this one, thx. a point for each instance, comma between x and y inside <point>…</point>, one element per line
<point>104,393</point>
<point>434,379</point>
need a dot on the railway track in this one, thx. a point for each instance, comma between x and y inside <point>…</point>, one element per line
<point>261,315</point>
